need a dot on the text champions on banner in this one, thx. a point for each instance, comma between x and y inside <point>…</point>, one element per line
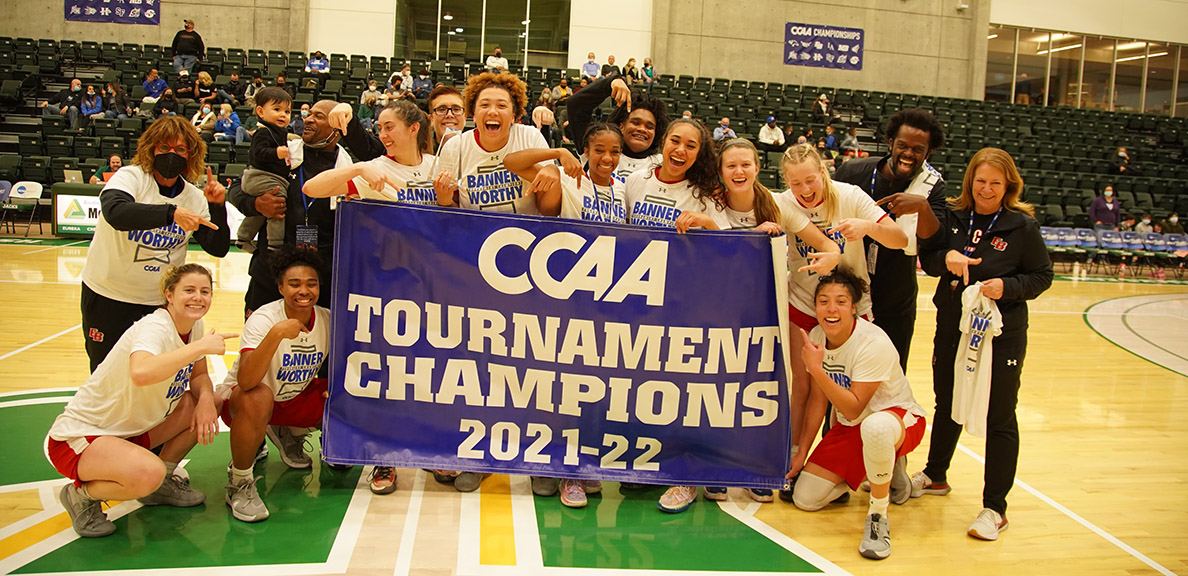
<point>823,46</point>
<point>498,343</point>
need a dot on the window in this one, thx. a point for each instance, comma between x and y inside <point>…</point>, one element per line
<point>1161,66</point>
<point>1000,63</point>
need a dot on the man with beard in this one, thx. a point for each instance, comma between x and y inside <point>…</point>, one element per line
<point>914,193</point>
<point>308,221</point>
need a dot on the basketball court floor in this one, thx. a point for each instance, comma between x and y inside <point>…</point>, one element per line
<point>1102,483</point>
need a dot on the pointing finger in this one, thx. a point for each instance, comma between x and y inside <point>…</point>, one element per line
<point>207,223</point>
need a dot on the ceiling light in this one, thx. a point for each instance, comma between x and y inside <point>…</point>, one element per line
<point>525,22</point>
<point>451,33</point>
<point>1127,59</point>
<point>458,30</point>
<point>1060,49</point>
<point>447,16</point>
<point>1131,45</point>
<point>992,36</point>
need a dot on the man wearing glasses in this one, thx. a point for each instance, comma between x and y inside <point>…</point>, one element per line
<point>446,114</point>
<point>914,193</point>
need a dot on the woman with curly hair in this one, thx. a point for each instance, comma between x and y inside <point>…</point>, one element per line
<point>149,211</point>
<point>470,171</point>
<point>683,191</point>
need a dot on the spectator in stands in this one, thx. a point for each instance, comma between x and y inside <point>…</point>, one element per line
<point>188,48</point>
<point>1144,226</point>
<point>771,138</point>
<point>317,64</point>
<point>543,118</point>
<point>914,192</point>
<point>372,91</point>
<point>183,88</point>
<point>590,70</point>
<point>154,86</point>
<point>1121,163</point>
<point>422,85</point>
<point>687,114</point>
<point>610,68</point>
<point>723,131</point>
<point>822,112</point>
<point>561,91</point>
<point>366,112</point>
<point>398,78</point>
<point>232,92</point>
<point>204,89</point>
<point>648,74</point>
<point>1023,90</point>
<point>249,93</point>
<point>631,73</point>
<point>496,62</point>
<point>1106,211</point>
<point>1127,224</point>
<point>227,124</point>
<point>91,106</point>
<point>850,145</point>
<point>247,128</point>
<point>297,125</point>
<point>1171,225</point>
<point>204,121</point>
<point>582,83</point>
<point>831,142</point>
<point>166,106</point>
<point>67,102</point>
<point>283,83</point>
<point>103,174</point>
<point>116,100</point>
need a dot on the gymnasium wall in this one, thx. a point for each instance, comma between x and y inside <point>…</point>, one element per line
<point>261,24</point>
<point>1157,20</point>
<point>365,27</point>
<point>622,28</point>
<point>913,46</point>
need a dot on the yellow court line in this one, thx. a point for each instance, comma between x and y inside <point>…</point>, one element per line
<point>497,537</point>
<point>34,534</point>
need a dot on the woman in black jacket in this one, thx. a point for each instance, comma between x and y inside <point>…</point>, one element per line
<point>989,236</point>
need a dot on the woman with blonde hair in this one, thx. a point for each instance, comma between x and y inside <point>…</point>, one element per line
<point>204,89</point>
<point>149,210</point>
<point>988,244</point>
<point>845,214</point>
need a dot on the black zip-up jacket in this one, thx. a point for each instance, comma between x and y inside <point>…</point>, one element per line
<point>1012,250</point>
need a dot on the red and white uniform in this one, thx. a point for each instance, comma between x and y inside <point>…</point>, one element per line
<point>414,184</point>
<point>483,182</point>
<point>109,404</point>
<point>296,361</point>
<point>852,202</point>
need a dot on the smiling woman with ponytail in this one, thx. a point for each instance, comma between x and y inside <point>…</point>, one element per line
<point>149,211</point>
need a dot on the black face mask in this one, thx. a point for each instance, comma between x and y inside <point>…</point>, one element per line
<point>169,165</point>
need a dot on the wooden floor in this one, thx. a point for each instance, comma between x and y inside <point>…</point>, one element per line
<point>1102,480</point>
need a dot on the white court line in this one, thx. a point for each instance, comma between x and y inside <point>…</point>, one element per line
<point>747,516</point>
<point>55,247</point>
<point>40,281</point>
<point>1076,517</point>
<point>39,391</point>
<point>40,342</point>
<point>408,536</point>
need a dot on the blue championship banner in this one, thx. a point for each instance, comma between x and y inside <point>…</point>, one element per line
<point>115,11</point>
<point>823,46</point>
<point>466,340</point>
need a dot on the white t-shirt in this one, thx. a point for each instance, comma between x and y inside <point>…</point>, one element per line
<point>483,182</point>
<point>296,361</point>
<point>592,203</point>
<point>628,165</point>
<point>109,404</point>
<point>414,183</point>
<point>792,221</point>
<point>852,202</point>
<point>127,266</point>
<point>868,356</point>
<point>980,323</point>
<point>653,202</point>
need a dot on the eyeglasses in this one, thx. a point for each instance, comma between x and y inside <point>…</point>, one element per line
<point>180,149</point>
<point>448,110</point>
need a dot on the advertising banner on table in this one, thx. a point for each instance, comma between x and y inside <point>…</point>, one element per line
<point>115,11</point>
<point>823,46</point>
<point>500,343</point>
<point>76,214</point>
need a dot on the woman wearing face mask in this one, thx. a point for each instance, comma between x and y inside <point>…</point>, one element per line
<point>166,105</point>
<point>372,90</point>
<point>250,93</point>
<point>227,124</point>
<point>204,122</point>
<point>639,116</point>
<point>1172,225</point>
<point>648,73</point>
<point>118,104</point>
<point>495,101</point>
<point>91,106</point>
<point>1105,212</point>
<point>149,211</point>
<point>630,72</point>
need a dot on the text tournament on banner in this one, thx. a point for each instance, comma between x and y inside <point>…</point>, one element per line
<point>475,341</point>
<point>823,46</point>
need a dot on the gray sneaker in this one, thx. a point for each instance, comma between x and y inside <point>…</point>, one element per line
<point>86,515</point>
<point>174,491</point>
<point>292,447</point>
<point>245,501</point>
<point>901,483</point>
<point>876,539</point>
<point>468,481</point>
<point>544,486</point>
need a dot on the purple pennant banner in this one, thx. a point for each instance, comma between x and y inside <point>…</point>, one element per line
<point>146,12</point>
<point>823,46</point>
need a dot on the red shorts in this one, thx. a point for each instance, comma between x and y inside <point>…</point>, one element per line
<point>65,459</point>
<point>798,318</point>
<point>840,451</point>
<point>302,411</point>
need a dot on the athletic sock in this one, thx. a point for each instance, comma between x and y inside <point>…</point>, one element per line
<point>169,468</point>
<point>240,476</point>
<point>879,505</point>
<point>82,491</point>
